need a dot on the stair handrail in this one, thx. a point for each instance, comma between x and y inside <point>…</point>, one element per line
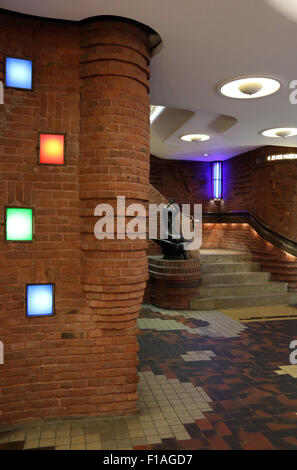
<point>275,238</point>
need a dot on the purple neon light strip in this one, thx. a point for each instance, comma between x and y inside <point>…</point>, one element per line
<point>217,180</point>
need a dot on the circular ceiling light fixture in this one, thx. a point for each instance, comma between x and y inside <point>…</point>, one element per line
<point>195,137</point>
<point>281,132</point>
<point>249,88</point>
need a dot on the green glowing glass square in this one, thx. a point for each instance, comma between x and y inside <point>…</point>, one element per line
<point>19,224</point>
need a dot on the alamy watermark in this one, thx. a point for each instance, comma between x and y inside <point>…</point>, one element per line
<point>1,352</point>
<point>293,94</point>
<point>293,355</point>
<point>162,222</point>
<point>1,93</point>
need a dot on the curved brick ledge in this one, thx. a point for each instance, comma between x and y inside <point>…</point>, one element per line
<point>173,283</point>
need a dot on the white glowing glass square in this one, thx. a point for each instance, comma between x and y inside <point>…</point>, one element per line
<point>19,224</point>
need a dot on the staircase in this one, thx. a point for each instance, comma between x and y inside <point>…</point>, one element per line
<point>231,279</point>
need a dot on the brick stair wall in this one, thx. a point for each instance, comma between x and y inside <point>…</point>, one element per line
<point>281,265</point>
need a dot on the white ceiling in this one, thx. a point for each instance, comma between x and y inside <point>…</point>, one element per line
<point>206,42</point>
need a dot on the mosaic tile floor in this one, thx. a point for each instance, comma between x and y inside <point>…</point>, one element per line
<point>207,381</point>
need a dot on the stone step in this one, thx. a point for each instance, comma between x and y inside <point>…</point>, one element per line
<point>218,290</point>
<point>241,301</point>
<point>237,278</point>
<point>231,279</point>
<point>230,267</point>
<point>225,258</point>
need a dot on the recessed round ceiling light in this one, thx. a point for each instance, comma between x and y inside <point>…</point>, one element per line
<point>205,155</point>
<point>195,137</point>
<point>249,88</point>
<point>281,132</point>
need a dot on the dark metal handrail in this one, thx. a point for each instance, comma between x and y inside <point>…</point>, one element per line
<point>277,239</point>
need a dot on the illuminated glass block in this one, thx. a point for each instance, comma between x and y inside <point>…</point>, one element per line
<point>217,180</point>
<point>18,73</point>
<point>39,300</point>
<point>19,224</point>
<point>51,149</point>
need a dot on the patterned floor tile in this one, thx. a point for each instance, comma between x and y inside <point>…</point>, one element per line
<point>252,406</point>
<point>217,324</point>
<point>196,356</point>
<point>291,370</point>
<point>207,381</point>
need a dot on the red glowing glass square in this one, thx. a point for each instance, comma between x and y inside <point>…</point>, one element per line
<point>52,149</point>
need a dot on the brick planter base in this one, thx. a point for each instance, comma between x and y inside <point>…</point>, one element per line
<point>173,283</point>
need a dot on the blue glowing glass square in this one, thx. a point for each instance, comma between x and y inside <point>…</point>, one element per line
<point>39,300</point>
<point>18,73</point>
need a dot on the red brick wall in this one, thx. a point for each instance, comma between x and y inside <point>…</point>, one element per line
<point>83,361</point>
<point>269,190</point>
<point>186,182</point>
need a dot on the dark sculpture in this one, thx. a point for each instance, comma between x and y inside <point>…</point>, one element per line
<point>172,247</point>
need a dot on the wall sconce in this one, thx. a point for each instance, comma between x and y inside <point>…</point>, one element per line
<point>216,180</point>
<point>18,73</point>
<point>19,224</point>
<point>51,149</point>
<point>40,300</point>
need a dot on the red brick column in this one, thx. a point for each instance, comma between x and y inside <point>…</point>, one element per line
<point>114,162</point>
